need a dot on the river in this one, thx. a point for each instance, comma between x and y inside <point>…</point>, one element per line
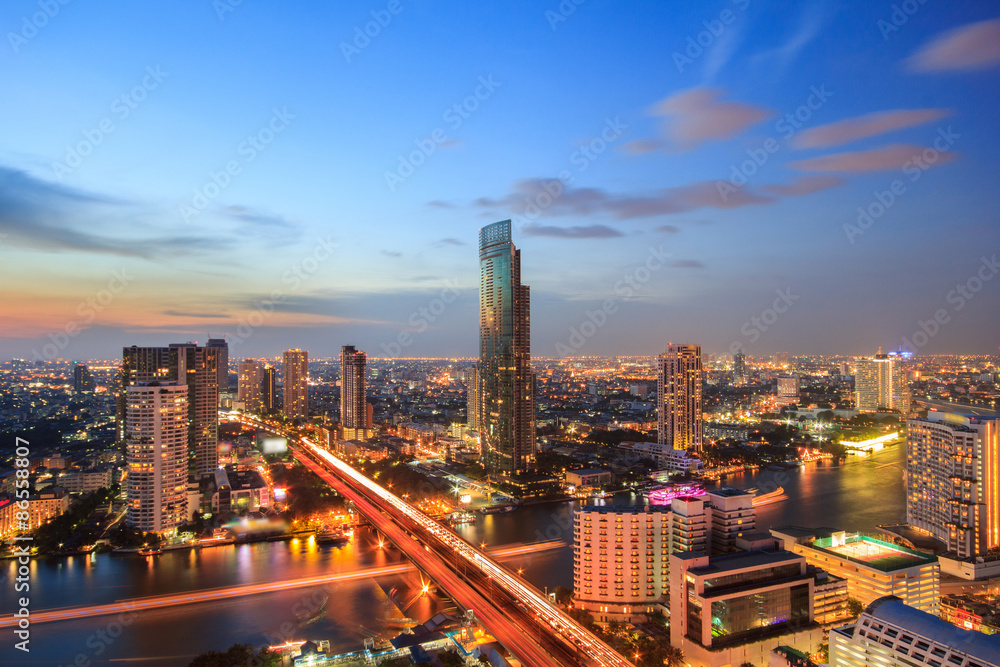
<point>856,496</point>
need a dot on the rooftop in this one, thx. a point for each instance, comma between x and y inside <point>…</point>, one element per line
<point>892,610</point>
<point>750,559</point>
<point>626,509</point>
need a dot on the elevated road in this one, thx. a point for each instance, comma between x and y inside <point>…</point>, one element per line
<point>514,611</point>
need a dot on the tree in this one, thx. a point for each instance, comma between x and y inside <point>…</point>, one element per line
<point>563,595</point>
<point>855,607</point>
<point>674,657</point>
<point>238,655</point>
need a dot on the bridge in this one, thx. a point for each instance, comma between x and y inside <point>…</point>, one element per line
<point>514,611</point>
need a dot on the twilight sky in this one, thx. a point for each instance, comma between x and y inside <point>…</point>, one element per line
<point>806,177</point>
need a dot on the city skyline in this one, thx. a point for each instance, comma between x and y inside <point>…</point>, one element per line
<point>649,197</point>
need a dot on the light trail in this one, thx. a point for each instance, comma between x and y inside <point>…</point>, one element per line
<point>575,636</point>
<point>179,599</point>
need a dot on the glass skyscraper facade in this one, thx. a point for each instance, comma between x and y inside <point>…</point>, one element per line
<point>505,381</point>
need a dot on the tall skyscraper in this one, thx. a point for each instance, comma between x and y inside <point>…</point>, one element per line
<point>156,446</point>
<point>223,361</point>
<point>473,399</point>
<point>787,390</point>
<point>353,406</point>
<point>268,391</point>
<point>295,378</point>
<point>679,397</point>
<point>186,364</point>
<point>507,428</point>
<point>880,384</point>
<point>953,480</point>
<point>250,384</point>
<point>82,379</point>
<point>739,368</point>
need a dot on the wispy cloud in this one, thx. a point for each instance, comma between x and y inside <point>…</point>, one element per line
<point>862,127</point>
<point>449,241</point>
<point>391,253</point>
<point>687,264</point>
<point>969,47</point>
<point>667,229</point>
<point>804,186</point>
<point>779,58</point>
<point>576,232</point>
<point>45,216</point>
<point>884,158</point>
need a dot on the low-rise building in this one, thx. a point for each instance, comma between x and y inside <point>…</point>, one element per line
<point>86,481</point>
<point>665,456</point>
<point>588,477</point>
<point>42,507</point>
<point>972,612</point>
<point>873,568</point>
<point>240,491</point>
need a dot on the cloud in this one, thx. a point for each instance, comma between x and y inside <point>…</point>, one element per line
<point>700,194</point>
<point>884,158</point>
<point>46,216</point>
<point>804,186</point>
<point>179,313</point>
<point>577,232</point>
<point>862,127</point>
<point>779,58</point>
<point>667,229</point>
<point>642,146</point>
<point>722,51</point>
<point>969,47</point>
<point>272,228</point>
<point>391,253</point>
<point>697,115</point>
<point>687,264</point>
<point>437,203</point>
<point>449,241</point>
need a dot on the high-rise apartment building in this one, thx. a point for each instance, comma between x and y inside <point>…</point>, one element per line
<point>507,428</point>
<point>222,355</point>
<point>197,367</point>
<point>680,397</point>
<point>268,391</point>
<point>82,379</point>
<point>250,382</point>
<point>295,378</point>
<point>472,399</point>
<point>353,403</point>
<point>186,364</point>
<point>880,384</point>
<point>953,480</point>
<point>156,453</point>
<point>740,368</point>
<point>890,633</point>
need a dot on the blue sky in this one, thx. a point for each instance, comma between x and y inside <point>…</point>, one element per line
<point>255,170</point>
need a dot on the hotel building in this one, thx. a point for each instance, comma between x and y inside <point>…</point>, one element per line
<point>295,378</point>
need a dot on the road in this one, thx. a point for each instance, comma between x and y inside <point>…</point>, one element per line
<point>514,611</point>
<point>178,599</point>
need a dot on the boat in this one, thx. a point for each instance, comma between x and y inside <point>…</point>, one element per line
<point>462,517</point>
<point>497,509</point>
<point>150,551</point>
<point>336,536</point>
